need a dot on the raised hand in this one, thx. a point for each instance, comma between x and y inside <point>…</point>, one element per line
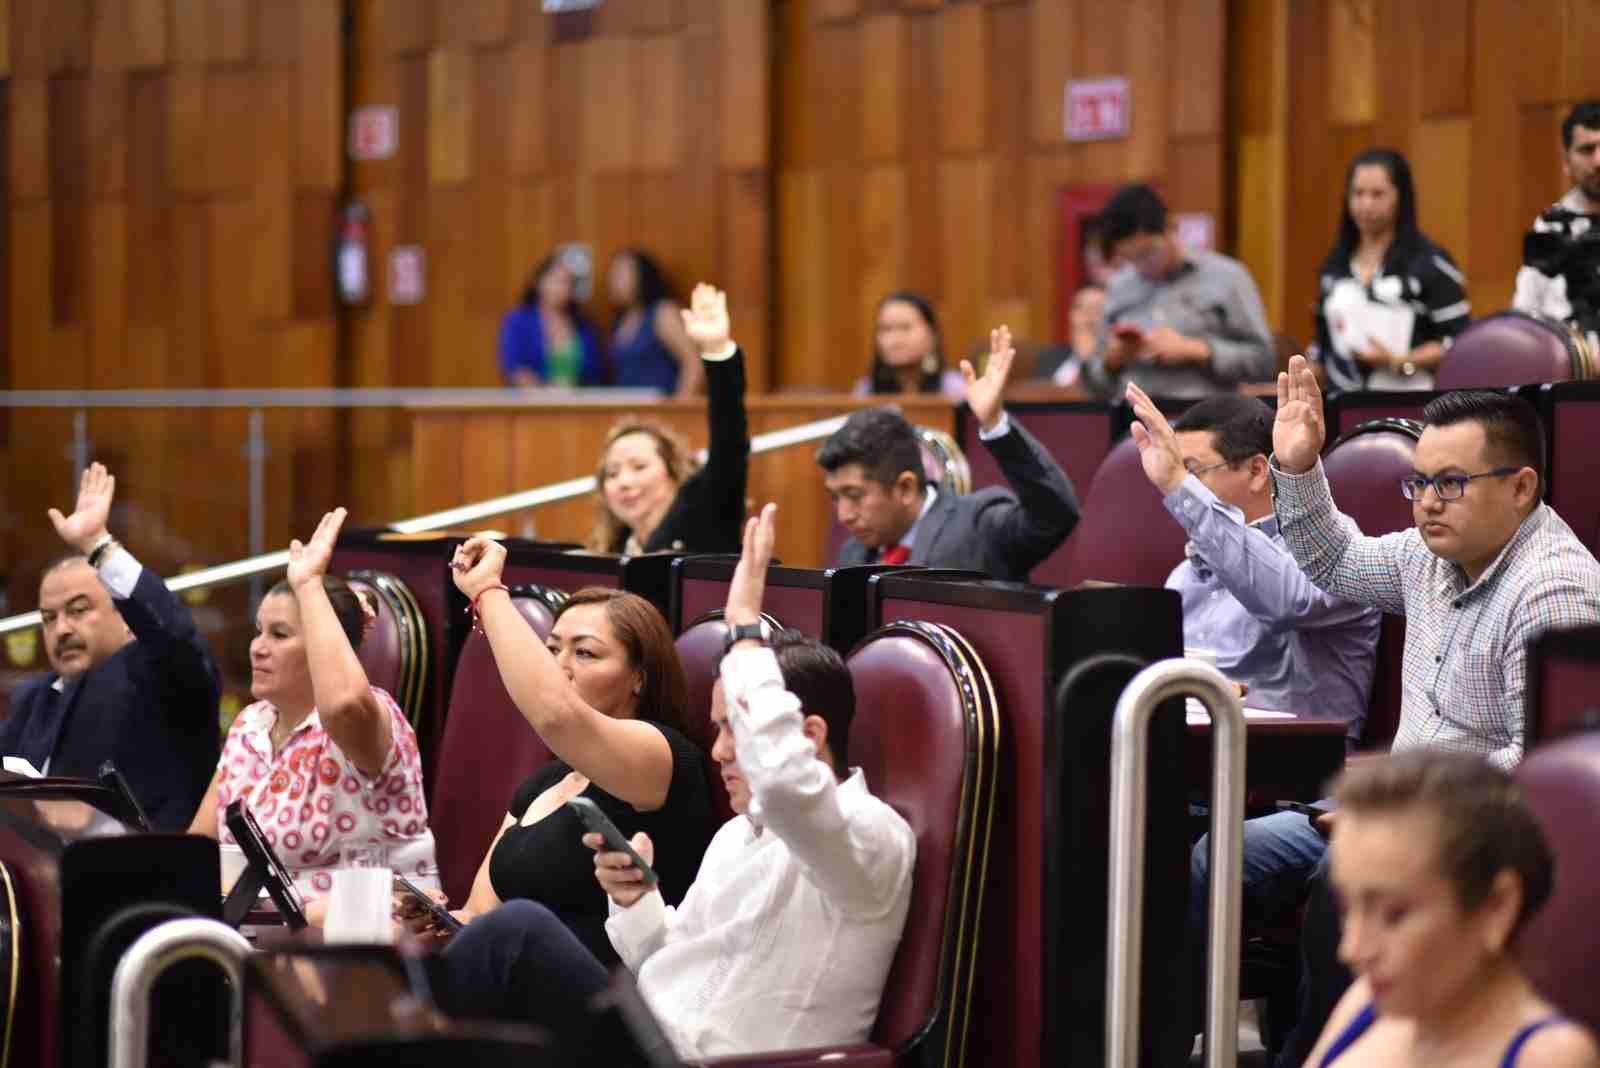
<point>1157,442</point>
<point>477,564</point>
<point>309,562</point>
<point>1299,430</point>
<point>617,874</point>
<point>749,582</point>
<point>87,523</point>
<point>985,393</point>
<point>706,319</point>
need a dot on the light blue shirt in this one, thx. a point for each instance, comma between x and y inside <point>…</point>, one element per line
<point>1300,650</point>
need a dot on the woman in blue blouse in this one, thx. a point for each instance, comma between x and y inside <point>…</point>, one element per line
<point>648,344</point>
<point>545,341</point>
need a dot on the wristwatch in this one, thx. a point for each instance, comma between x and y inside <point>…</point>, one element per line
<point>752,632</point>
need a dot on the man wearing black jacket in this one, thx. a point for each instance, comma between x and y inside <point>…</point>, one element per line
<point>873,471</point>
<point>132,680</point>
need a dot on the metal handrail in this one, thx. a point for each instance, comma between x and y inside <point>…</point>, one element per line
<point>1130,740</point>
<point>144,963</point>
<point>467,513</point>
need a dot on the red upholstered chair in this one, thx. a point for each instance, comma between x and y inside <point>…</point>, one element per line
<point>1560,948</point>
<point>1364,469</point>
<point>926,734</point>
<point>394,651</point>
<point>1563,691</point>
<point>487,751</point>
<point>1510,349</point>
<point>1125,534</point>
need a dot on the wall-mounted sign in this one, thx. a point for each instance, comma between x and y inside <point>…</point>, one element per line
<point>374,132</point>
<point>1098,109</point>
<point>1197,231</point>
<point>408,275</point>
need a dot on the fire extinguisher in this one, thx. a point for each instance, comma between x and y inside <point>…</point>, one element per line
<point>350,257</point>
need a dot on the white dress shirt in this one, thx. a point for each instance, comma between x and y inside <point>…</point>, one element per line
<point>786,937</point>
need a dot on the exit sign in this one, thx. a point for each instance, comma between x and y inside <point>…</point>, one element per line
<point>1098,109</point>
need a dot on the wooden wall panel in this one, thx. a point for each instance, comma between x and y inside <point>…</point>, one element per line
<point>922,147</point>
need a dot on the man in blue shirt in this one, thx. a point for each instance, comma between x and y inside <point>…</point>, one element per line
<point>1244,597</point>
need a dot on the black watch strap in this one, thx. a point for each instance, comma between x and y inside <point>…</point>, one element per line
<point>757,632</point>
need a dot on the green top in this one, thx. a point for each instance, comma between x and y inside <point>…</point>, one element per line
<point>561,363</point>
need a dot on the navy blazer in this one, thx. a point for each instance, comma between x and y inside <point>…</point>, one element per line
<point>994,530</point>
<point>151,708</point>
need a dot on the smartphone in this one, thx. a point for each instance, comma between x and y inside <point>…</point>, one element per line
<point>593,819</point>
<point>440,914</point>
<point>1127,330</point>
<point>1310,812</point>
<point>265,866</point>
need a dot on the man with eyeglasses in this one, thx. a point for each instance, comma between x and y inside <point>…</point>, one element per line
<point>1487,568</point>
<point>1178,322</point>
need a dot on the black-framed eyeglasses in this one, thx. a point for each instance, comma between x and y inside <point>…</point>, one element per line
<point>1447,487</point>
<point>1193,470</point>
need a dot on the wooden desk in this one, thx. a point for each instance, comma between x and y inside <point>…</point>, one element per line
<point>1289,758</point>
<point>468,454</point>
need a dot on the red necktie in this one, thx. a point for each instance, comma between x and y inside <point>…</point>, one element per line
<point>898,554</point>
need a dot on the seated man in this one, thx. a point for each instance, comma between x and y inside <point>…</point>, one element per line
<point>1487,569</point>
<point>874,473</point>
<point>132,681</point>
<point>785,939</point>
<point>1244,598</point>
<point>1178,323</point>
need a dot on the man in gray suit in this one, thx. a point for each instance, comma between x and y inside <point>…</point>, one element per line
<point>874,474</point>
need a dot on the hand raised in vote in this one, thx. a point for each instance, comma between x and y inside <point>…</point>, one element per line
<point>87,523</point>
<point>985,392</point>
<point>477,564</point>
<point>706,321</point>
<point>1298,431</point>
<point>1157,442</point>
<point>309,562</point>
<point>749,581</point>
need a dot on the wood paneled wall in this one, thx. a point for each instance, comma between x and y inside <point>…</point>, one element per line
<point>170,177</point>
<point>921,145</point>
<point>1472,92</point>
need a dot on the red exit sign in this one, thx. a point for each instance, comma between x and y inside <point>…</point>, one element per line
<point>1098,109</point>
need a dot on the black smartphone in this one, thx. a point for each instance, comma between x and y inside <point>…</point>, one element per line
<point>593,819</point>
<point>267,869</point>
<point>440,914</point>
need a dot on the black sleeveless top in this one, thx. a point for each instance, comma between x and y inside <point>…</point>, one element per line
<point>547,861</point>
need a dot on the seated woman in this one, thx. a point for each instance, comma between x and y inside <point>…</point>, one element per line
<point>907,354</point>
<point>1438,864</point>
<point>649,346</point>
<point>323,759</point>
<point>1385,280</point>
<point>606,693</point>
<point>651,495</point>
<point>545,340</point>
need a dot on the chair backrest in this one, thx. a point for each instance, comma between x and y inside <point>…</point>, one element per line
<point>1364,468</point>
<point>700,653</point>
<point>927,735</point>
<point>1121,501</point>
<point>1563,690</point>
<point>1510,349</point>
<point>488,749</point>
<point>1559,949</point>
<point>394,652</point>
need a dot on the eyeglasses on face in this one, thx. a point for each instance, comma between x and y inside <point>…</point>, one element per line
<point>1447,487</point>
<point>1196,469</point>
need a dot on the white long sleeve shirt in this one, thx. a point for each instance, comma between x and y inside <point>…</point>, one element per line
<point>786,937</point>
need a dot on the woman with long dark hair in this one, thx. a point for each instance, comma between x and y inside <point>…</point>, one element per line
<point>1382,271</point>
<point>907,352</point>
<point>545,340</point>
<point>649,346</point>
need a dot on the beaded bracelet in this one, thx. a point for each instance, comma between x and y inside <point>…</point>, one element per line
<point>472,609</point>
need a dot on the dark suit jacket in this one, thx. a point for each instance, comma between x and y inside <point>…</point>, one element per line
<point>707,516</point>
<point>994,530</point>
<point>151,708</point>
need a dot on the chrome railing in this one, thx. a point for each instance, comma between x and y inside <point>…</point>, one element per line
<point>148,959</point>
<point>260,563</point>
<point>1130,743</point>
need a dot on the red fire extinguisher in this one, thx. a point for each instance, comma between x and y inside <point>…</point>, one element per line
<point>350,257</point>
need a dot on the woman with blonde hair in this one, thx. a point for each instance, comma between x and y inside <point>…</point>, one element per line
<point>653,493</point>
